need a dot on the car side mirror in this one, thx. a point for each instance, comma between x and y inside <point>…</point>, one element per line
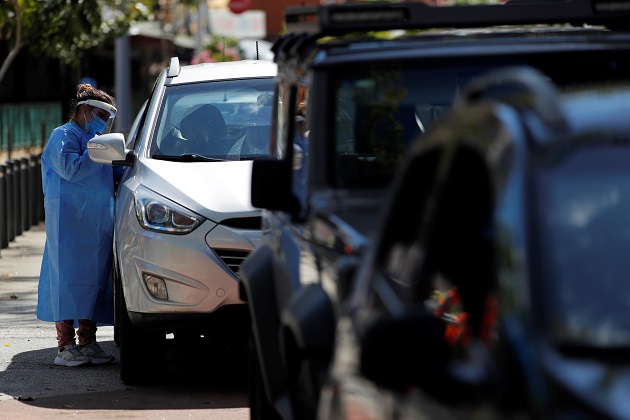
<point>109,149</point>
<point>397,352</point>
<point>410,350</point>
<point>271,186</point>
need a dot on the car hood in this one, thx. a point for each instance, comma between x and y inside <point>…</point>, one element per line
<point>215,190</point>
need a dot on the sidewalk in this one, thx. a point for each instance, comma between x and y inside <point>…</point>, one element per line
<point>20,153</point>
<point>20,263</point>
<point>33,388</point>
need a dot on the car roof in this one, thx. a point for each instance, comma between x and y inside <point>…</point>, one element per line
<point>338,19</point>
<point>223,71</point>
<point>464,43</point>
<point>318,35</point>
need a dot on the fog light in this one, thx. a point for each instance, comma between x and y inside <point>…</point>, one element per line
<point>156,286</point>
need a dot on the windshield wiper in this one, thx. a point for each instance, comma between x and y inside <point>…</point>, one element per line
<point>187,157</point>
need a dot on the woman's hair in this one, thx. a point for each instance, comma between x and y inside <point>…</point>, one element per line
<point>85,91</point>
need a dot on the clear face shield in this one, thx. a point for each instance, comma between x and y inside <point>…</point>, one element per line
<point>106,117</point>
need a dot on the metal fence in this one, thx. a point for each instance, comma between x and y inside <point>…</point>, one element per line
<point>23,128</point>
<point>21,197</point>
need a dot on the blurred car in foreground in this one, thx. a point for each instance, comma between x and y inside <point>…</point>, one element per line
<point>184,219</point>
<point>515,207</point>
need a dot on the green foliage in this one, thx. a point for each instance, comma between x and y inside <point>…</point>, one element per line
<point>66,29</point>
<point>219,49</point>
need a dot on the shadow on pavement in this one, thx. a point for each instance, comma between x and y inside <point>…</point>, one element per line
<point>200,378</point>
<point>174,397</point>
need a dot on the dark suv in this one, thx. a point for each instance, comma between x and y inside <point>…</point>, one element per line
<point>496,286</point>
<point>367,79</point>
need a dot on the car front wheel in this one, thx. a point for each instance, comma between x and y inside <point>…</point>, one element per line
<point>119,306</point>
<point>140,351</point>
<point>259,406</point>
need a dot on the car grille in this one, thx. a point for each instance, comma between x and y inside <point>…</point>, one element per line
<point>232,258</point>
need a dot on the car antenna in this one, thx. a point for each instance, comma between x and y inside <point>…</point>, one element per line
<point>257,56</point>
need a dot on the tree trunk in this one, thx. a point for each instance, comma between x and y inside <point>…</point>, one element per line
<point>7,61</point>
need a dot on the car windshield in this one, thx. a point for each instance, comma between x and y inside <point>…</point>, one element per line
<point>583,237</point>
<point>221,120</point>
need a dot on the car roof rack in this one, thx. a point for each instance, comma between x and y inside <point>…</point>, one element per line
<point>338,19</point>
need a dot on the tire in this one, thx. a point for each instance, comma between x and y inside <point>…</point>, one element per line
<point>300,380</point>
<point>259,407</point>
<point>119,306</point>
<point>140,352</point>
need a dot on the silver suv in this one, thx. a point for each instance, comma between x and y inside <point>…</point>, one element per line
<point>184,219</point>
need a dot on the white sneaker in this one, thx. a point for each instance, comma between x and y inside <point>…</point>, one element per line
<point>72,356</point>
<point>96,354</point>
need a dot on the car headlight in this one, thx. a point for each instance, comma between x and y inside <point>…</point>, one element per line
<point>159,214</point>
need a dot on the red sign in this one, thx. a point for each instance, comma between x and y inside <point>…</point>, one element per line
<point>239,6</point>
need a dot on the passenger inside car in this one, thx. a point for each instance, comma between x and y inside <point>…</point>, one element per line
<point>202,131</point>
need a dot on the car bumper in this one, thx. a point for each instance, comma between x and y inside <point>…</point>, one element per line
<point>197,280</point>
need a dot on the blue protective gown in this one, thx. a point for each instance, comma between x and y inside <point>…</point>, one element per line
<point>75,279</point>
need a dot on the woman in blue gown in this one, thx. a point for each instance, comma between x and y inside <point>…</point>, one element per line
<point>75,287</point>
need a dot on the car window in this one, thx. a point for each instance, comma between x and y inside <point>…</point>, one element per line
<point>379,112</point>
<point>583,234</point>
<point>379,109</point>
<point>135,127</point>
<point>219,119</point>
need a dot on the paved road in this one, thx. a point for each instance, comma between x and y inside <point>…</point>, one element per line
<point>201,384</point>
